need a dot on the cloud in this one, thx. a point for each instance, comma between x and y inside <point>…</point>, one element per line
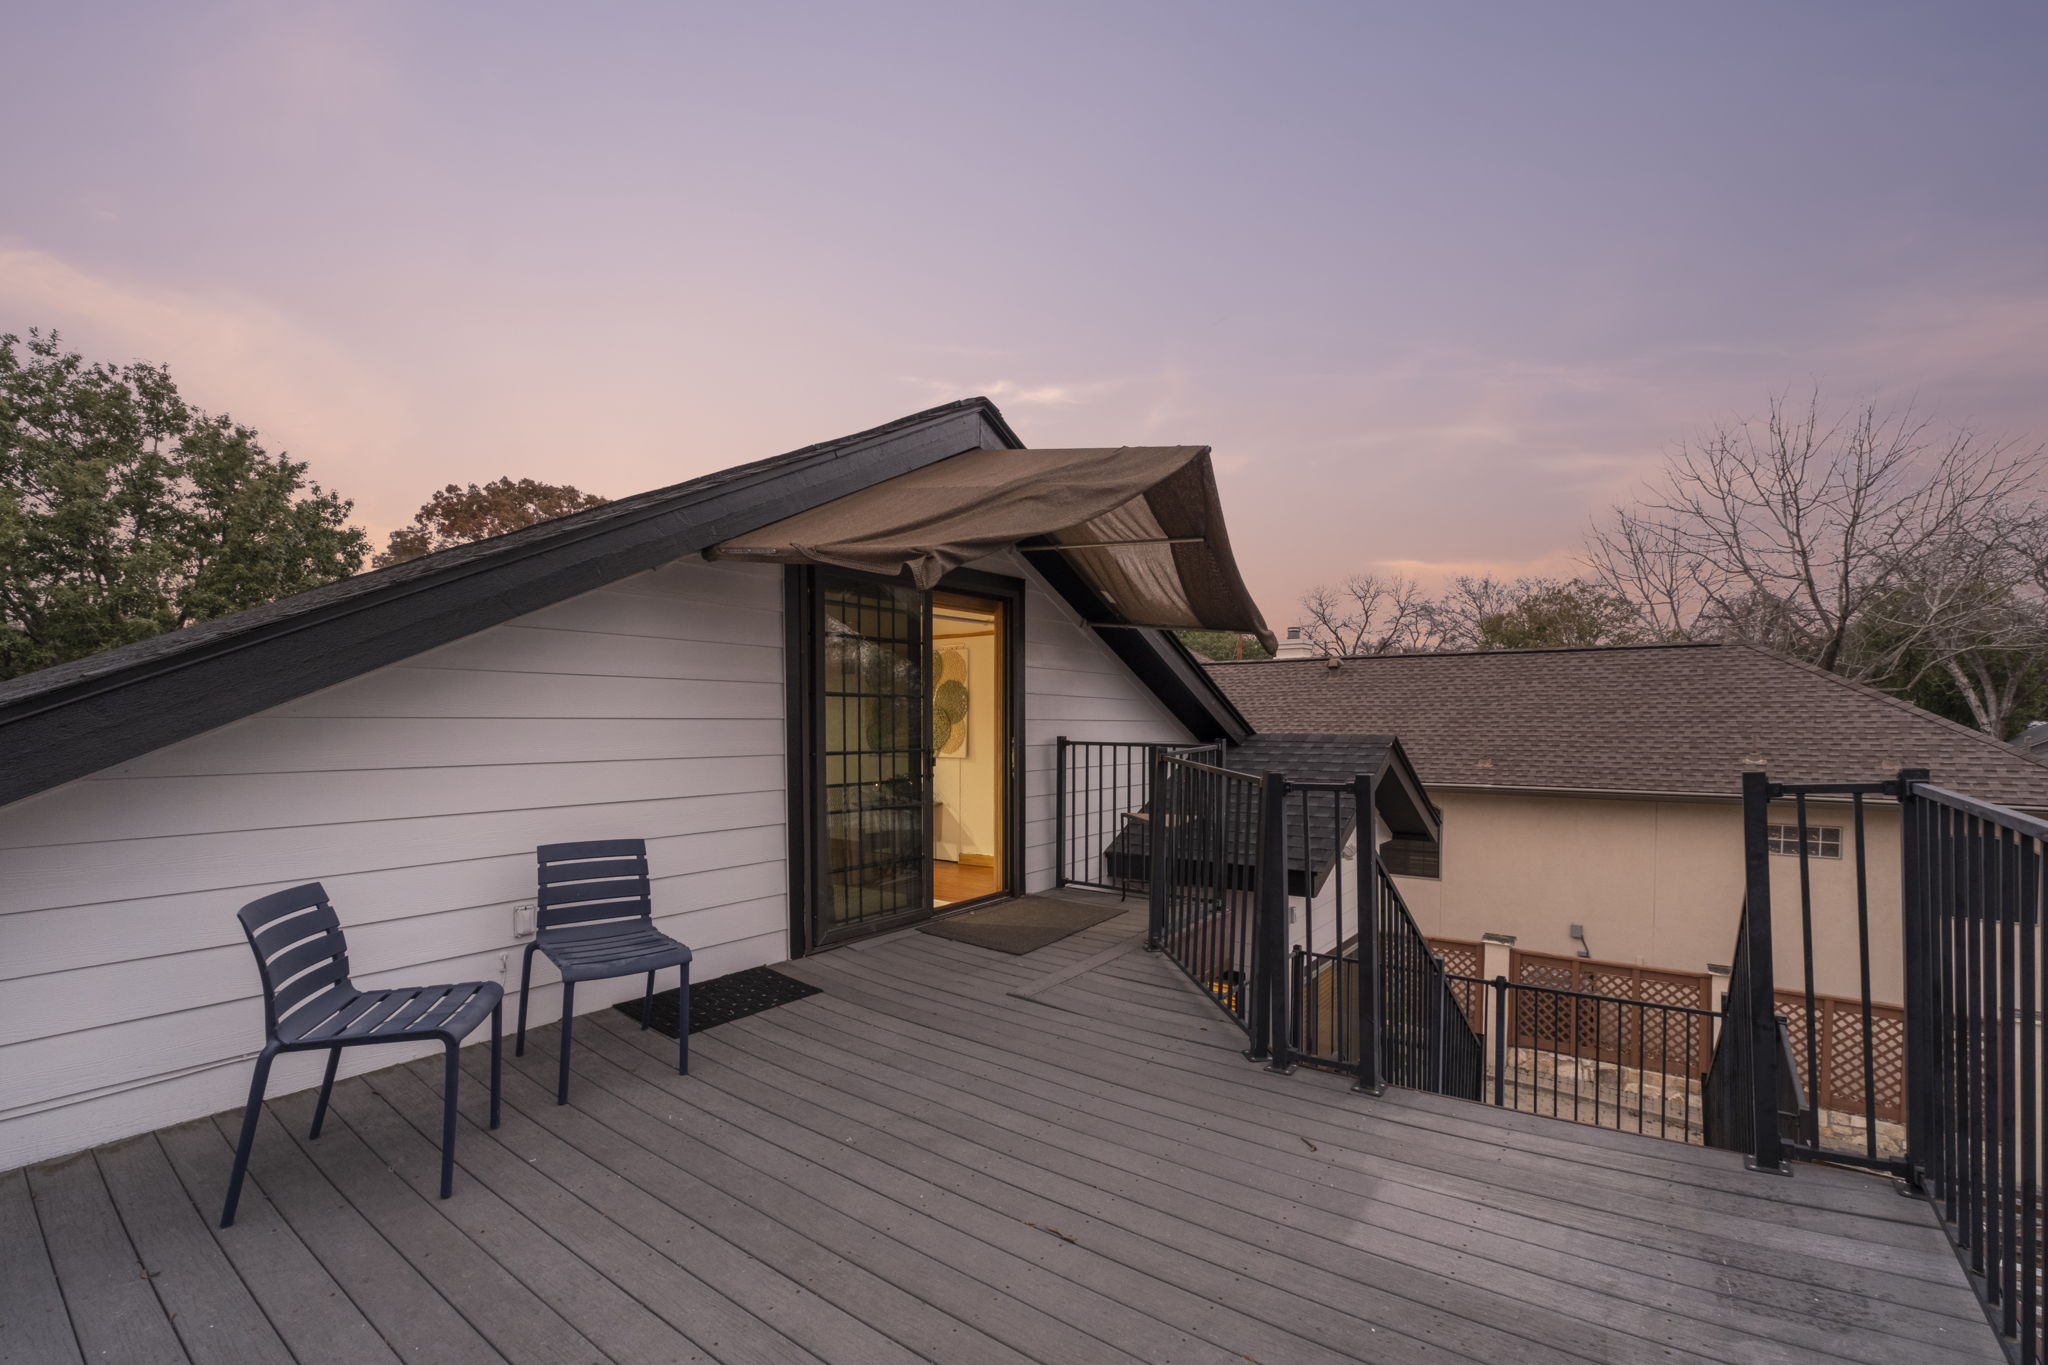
<point>229,353</point>
<point>1014,393</point>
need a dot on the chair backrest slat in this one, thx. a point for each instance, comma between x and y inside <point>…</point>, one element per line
<point>311,953</point>
<point>598,880</point>
<point>299,947</point>
<point>316,982</point>
<point>281,934</point>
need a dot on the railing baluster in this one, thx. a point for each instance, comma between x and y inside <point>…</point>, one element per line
<point>2029,1140</point>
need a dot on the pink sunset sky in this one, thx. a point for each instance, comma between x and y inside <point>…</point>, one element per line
<point>1437,280</point>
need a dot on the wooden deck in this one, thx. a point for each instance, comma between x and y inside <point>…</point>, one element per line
<point>954,1155</point>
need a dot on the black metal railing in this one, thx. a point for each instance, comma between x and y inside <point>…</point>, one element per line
<point>1360,967</point>
<point>1102,790</point>
<point>1605,1060</point>
<point>1973,896</point>
<point>1216,884</point>
<point>1751,1099</point>
<point>1426,1041</point>
<point>1788,1081</point>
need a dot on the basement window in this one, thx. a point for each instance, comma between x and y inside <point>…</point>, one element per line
<point>1822,841</point>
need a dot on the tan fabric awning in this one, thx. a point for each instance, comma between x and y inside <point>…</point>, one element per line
<point>1143,524</point>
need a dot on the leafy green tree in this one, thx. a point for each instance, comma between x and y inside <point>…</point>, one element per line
<point>1222,644</point>
<point>457,515</point>
<point>126,512</point>
<point>1553,615</point>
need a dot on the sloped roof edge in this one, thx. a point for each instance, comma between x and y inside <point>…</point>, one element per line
<point>82,717</point>
<point>1676,720</point>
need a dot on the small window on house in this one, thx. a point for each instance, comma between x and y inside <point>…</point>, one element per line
<point>1822,841</point>
<point>1412,858</point>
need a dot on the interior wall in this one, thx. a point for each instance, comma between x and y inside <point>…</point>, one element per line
<point>968,786</point>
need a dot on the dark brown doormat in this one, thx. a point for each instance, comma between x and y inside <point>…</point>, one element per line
<point>720,1000</point>
<point>1023,925</point>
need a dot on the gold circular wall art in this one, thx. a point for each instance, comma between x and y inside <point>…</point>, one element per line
<point>950,702</point>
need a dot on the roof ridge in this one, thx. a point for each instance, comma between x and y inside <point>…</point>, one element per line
<point>1898,703</point>
<point>1477,653</point>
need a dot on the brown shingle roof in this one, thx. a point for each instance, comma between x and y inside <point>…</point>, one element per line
<point>1669,719</point>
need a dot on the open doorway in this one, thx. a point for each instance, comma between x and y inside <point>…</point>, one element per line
<point>904,745</point>
<point>970,777</point>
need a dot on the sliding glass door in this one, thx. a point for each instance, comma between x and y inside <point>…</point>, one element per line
<point>904,761</point>
<point>873,655</point>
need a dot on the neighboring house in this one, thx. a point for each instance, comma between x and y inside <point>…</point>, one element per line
<point>2034,739</point>
<point>1599,788</point>
<point>721,668</point>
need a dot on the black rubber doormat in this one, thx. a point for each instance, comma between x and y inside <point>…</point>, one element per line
<point>721,999</point>
<point>1023,925</point>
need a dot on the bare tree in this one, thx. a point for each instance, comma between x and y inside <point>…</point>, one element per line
<point>1791,533</point>
<point>1369,613</point>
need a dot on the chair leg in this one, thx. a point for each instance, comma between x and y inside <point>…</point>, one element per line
<point>568,1023</point>
<point>683,1024</point>
<point>525,982</point>
<point>248,1138</point>
<point>326,1089</point>
<point>448,1084</point>
<point>647,1003</point>
<point>497,1056</point>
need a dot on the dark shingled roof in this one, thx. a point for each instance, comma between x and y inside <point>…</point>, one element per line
<point>1318,822</point>
<point>1656,719</point>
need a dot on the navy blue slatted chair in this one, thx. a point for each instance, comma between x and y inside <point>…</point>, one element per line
<point>596,921</point>
<point>310,1003</point>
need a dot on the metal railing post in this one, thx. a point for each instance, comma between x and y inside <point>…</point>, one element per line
<point>1766,1143</point>
<point>1061,835</point>
<point>1917,942</point>
<point>1155,857</point>
<point>1370,1012</point>
<point>1268,982</point>
<point>1500,1040</point>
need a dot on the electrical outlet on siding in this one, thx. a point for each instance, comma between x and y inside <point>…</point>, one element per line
<point>522,921</point>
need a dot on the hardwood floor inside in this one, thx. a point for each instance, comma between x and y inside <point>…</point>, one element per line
<point>963,882</point>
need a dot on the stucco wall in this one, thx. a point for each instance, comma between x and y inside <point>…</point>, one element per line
<point>1654,882</point>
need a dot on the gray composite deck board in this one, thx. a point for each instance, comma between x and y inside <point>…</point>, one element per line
<point>613,1321</point>
<point>956,1155</point>
<point>34,1326</point>
<point>217,1320</point>
<point>1238,1178</point>
<point>405,1308</point>
<point>113,1308</point>
<point>717,1327</point>
<point>1934,1331</point>
<point>318,1322</point>
<point>1664,1172</point>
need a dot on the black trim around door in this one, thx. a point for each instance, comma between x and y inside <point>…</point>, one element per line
<point>804,716</point>
<point>1011,593</point>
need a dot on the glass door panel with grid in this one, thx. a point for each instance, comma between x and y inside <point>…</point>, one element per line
<point>873,655</point>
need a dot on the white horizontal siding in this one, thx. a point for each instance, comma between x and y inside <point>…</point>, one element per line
<point>652,708</point>
<point>416,794</point>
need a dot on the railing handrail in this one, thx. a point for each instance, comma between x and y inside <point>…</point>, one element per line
<point>2003,816</point>
<point>1584,995</point>
<point>1198,766</point>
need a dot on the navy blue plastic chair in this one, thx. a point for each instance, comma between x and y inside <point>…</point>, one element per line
<point>595,920</point>
<point>310,1003</point>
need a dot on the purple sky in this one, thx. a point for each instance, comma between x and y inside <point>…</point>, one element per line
<point>1436,280</point>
